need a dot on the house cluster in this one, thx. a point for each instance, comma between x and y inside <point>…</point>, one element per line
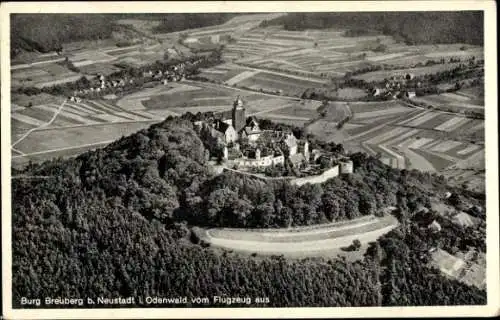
<point>174,73</point>
<point>394,87</point>
<point>243,145</point>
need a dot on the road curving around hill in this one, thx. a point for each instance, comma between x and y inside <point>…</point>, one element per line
<point>306,242</point>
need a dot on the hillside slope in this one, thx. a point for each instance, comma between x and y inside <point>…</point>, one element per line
<point>411,27</point>
<point>109,223</point>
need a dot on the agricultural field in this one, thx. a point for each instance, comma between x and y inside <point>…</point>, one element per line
<point>407,138</point>
<point>459,101</point>
<point>43,75</point>
<point>322,240</point>
<point>53,128</point>
<point>68,141</point>
<point>328,53</point>
<point>190,96</point>
<point>278,83</point>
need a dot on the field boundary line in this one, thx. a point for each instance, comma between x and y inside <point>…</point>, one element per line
<point>63,149</point>
<point>18,151</point>
<point>56,113</point>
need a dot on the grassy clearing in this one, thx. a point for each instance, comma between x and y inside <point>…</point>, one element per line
<point>447,263</point>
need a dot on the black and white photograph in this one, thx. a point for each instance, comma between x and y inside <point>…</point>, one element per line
<point>221,159</point>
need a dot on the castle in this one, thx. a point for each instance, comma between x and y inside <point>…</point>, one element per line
<point>244,144</point>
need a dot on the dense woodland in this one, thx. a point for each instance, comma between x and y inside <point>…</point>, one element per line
<point>116,222</point>
<point>49,32</point>
<point>182,21</point>
<point>410,27</point>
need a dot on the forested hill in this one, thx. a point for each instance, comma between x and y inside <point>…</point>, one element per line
<point>182,21</point>
<point>427,27</point>
<point>48,32</point>
<point>116,222</point>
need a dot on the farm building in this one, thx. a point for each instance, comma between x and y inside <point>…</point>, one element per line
<point>376,92</point>
<point>410,94</point>
<point>435,226</point>
<point>346,166</point>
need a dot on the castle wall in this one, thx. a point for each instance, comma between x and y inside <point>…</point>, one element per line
<point>262,162</point>
<point>346,167</point>
<point>328,174</point>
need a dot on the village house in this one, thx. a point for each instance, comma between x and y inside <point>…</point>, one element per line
<point>410,94</point>
<point>434,226</point>
<point>376,92</point>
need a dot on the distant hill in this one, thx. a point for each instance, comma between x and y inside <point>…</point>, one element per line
<point>48,32</point>
<point>182,21</point>
<point>411,27</point>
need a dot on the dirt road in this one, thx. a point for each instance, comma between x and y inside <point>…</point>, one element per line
<point>322,240</point>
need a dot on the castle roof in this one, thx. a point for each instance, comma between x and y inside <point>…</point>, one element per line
<point>222,126</point>
<point>238,103</point>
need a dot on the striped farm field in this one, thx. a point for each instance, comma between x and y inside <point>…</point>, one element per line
<point>452,124</point>
<point>428,120</point>
<point>421,119</point>
<point>390,133</point>
<point>386,112</point>
<point>468,150</point>
<point>437,162</point>
<point>241,77</point>
<point>445,146</point>
<point>456,151</point>
<point>420,142</point>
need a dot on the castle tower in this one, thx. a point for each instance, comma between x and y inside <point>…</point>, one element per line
<point>238,115</point>
<point>306,150</point>
<point>257,154</point>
